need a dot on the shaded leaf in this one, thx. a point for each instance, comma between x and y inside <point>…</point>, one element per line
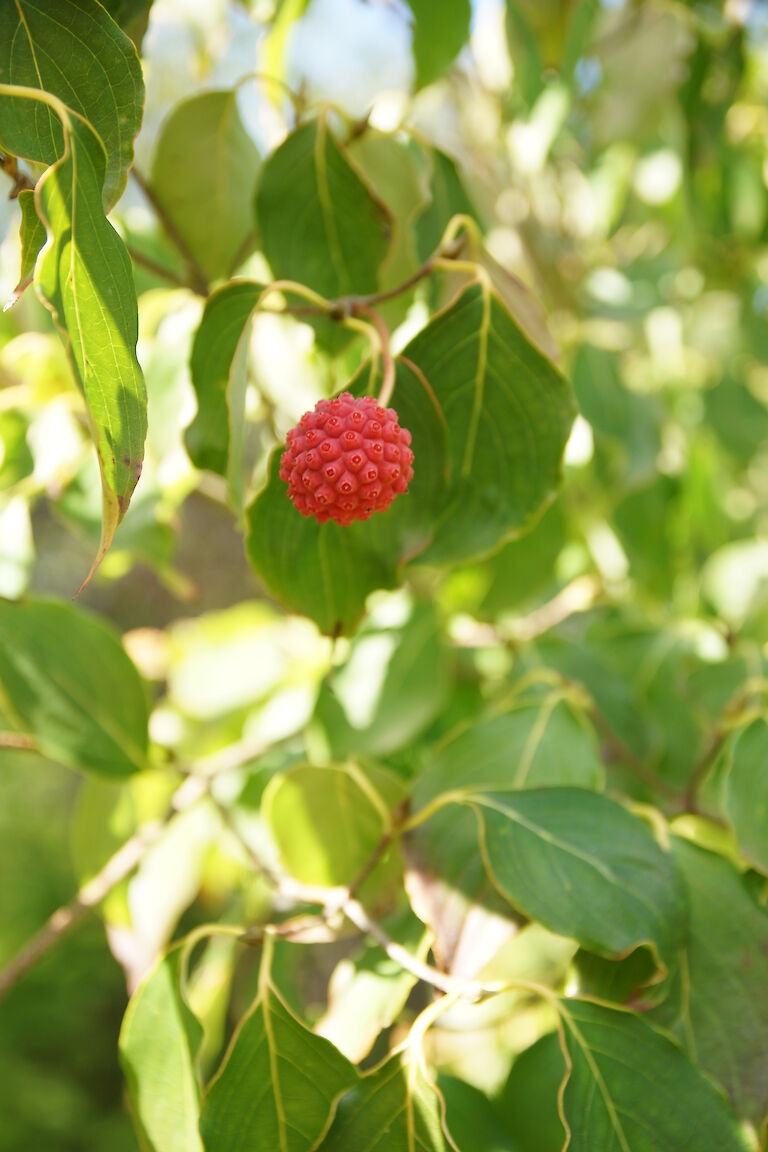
<point>68,681</point>
<point>471,1120</point>
<point>508,413</point>
<point>449,199</point>
<point>440,31</point>
<point>102,82</point>
<point>525,567</point>
<point>584,867</point>
<point>277,1086</point>
<point>450,890</point>
<point>392,686</point>
<point>746,792</point>
<point>716,1001</point>
<point>528,1103</point>
<point>215,368</point>
<point>85,279</point>
<point>630,1089</point>
<point>32,236</point>
<point>159,1041</point>
<point>318,221</point>
<point>534,743</point>
<point>396,1106</point>
<point>204,175</point>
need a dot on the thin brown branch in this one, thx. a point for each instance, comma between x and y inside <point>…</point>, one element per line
<point>18,740</point>
<point>197,279</point>
<point>122,863</point>
<point>159,270</point>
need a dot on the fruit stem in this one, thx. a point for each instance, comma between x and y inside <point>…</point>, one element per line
<point>387,361</point>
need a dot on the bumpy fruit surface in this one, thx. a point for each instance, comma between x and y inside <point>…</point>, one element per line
<point>346,460</point>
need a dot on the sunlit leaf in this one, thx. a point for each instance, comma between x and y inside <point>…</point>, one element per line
<point>85,278</point>
<point>102,82</point>
<point>278,1085</point>
<point>32,235</point>
<point>159,1041</point>
<point>68,681</point>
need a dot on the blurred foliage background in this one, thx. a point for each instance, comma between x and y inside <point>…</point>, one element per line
<point>616,155</point>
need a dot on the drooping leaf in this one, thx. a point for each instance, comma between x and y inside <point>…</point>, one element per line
<point>584,867</point>
<point>33,236</point>
<point>159,1041</point>
<point>630,1089</point>
<point>746,792</point>
<point>368,991</point>
<point>394,1106</point>
<point>209,437</point>
<point>508,412</point>
<point>278,1085</point>
<point>326,822</point>
<point>326,572</point>
<point>537,742</point>
<point>440,31</point>
<point>319,223</point>
<point>204,175</point>
<point>391,687</point>
<point>102,82</point>
<point>85,279</point>
<point>68,682</point>
<point>716,1002</point>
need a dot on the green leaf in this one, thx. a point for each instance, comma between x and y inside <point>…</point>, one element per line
<point>215,366</point>
<point>325,571</point>
<point>367,991</point>
<point>527,566</point>
<point>159,1041</point>
<point>326,822</point>
<point>630,1089</point>
<point>746,792</point>
<point>32,236</point>
<point>451,891</point>
<point>534,743</point>
<point>85,279</point>
<point>204,175</point>
<point>528,1103</point>
<point>68,682</point>
<point>278,1085</point>
<point>471,1120</point>
<point>16,460</point>
<point>391,687</point>
<point>449,199</point>
<point>396,1106</point>
<point>318,221</point>
<point>716,1003</point>
<point>525,53</point>
<point>440,31</point>
<point>584,867</point>
<point>101,82</point>
<point>508,412</point>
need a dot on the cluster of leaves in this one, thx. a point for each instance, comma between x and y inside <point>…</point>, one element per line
<point>492,766</point>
